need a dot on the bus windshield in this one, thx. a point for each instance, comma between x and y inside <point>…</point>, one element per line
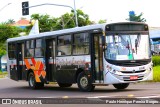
<point>127,47</point>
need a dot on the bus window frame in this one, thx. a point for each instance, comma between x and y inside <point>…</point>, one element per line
<point>72,36</point>
<point>43,46</point>
<point>89,44</point>
<point>15,57</point>
<point>57,45</point>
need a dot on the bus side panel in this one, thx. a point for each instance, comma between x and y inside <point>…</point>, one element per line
<point>37,65</point>
<point>12,66</point>
<point>67,67</point>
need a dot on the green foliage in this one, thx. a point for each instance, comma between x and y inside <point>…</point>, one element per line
<point>10,21</point>
<point>137,18</point>
<point>83,19</point>
<point>45,22</point>
<point>3,74</point>
<point>67,20</point>
<point>156,74</point>
<point>156,68</point>
<point>102,21</point>
<point>156,60</point>
<point>7,31</point>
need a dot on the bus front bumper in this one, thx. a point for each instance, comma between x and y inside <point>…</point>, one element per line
<point>111,78</point>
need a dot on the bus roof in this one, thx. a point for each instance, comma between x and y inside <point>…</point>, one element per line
<point>65,31</point>
<point>54,33</point>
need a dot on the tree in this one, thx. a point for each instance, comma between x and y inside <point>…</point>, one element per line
<point>102,21</point>
<point>7,31</point>
<point>66,21</point>
<point>10,21</point>
<point>83,19</point>
<point>45,22</point>
<point>48,23</point>
<point>137,18</point>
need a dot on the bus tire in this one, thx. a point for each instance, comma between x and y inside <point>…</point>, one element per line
<point>64,84</point>
<point>84,83</point>
<point>32,82</point>
<point>121,86</point>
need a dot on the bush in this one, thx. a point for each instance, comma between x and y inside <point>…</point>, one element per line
<point>156,60</point>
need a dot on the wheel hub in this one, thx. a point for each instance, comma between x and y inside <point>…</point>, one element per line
<point>84,82</point>
<point>31,81</point>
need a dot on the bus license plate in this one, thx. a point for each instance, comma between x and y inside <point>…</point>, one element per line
<point>133,77</point>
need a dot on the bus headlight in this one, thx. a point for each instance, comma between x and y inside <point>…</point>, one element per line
<point>116,72</point>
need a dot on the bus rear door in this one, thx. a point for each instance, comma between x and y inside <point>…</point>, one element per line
<point>20,62</point>
<point>50,59</point>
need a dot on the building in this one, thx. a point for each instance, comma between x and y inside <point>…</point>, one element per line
<point>23,23</point>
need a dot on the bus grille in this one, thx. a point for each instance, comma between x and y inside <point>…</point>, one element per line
<point>130,63</point>
<point>127,72</point>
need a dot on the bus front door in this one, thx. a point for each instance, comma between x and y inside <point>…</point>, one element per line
<point>97,57</point>
<point>50,59</point>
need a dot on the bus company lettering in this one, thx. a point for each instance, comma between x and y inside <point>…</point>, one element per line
<point>70,62</point>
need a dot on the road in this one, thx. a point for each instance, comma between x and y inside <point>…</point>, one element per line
<point>14,89</point>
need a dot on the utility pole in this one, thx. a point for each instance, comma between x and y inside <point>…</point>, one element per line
<point>75,13</point>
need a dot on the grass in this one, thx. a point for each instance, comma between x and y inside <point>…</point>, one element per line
<point>156,68</point>
<point>3,74</point>
<point>156,60</point>
<point>156,73</point>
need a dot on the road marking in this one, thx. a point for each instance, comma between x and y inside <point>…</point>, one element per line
<point>130,95</point>
<point>153,96</point>
<point>47,97</point>
<point>65,97</point>
<point>101,97</point>
<point>54,97</point>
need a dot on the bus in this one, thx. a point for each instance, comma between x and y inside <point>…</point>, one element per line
<point>96,55</point>
<point>155,45</point>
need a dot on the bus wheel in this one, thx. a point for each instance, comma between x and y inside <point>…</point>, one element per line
<point>32,83</point>
<point>121,86</point>
<point>64,84</point>
<point>83,83</point>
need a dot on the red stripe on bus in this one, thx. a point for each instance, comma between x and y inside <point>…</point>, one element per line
<point>33,61</point>
<point>41,66</point>
<point>27,63</point>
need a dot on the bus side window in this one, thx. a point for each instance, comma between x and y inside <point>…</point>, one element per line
<point>39,50</point>
<point>11,51</point>
<point>81,44</point>
<point>29,48</point>
<point>64,45</point>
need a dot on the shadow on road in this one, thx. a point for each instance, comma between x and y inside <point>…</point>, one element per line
<point>76,89</point>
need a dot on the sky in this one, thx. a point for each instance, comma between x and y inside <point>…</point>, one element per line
<point>110,10</point>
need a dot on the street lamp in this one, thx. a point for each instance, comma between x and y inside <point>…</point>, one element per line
<point>5,6</point>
